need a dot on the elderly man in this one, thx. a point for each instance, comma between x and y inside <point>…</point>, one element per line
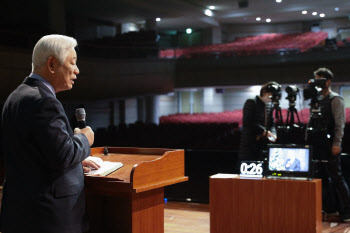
<point>44,180</point>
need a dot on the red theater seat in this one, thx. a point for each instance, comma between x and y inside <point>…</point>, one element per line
<point>255,45</point>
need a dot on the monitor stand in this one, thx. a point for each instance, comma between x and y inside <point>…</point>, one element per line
<point>288,178</point>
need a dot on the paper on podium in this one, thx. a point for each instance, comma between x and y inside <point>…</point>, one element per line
<point>106,166</point>
<point>222,175</point>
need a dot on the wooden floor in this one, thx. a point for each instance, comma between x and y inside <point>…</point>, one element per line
<point>180,217</point>
<point>187,217</point>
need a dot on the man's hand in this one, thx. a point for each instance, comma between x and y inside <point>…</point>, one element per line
<point>335,150</point>
<point>271,137</point>
<point>89,165</point>
<point>88,133</point>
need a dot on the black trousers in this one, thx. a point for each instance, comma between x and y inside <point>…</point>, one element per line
<point>335,191</point>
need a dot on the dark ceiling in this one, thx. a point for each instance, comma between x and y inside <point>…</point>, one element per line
<point>179,14</point>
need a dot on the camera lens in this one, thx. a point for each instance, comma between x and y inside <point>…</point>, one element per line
<point>292,89</point>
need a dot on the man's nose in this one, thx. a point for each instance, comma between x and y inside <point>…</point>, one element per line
<point>76,71</point>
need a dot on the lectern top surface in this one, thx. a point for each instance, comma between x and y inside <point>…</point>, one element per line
<point>144,169</point>
<point>129,160</point>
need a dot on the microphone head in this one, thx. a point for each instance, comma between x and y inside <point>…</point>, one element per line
<point>80,114</point>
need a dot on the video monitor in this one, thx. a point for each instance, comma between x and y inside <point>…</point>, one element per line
<point>289,160</point>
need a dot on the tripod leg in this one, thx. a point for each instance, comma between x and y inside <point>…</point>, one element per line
<point>280,113</point>
<point>296,113</point>
<point>292,119</point>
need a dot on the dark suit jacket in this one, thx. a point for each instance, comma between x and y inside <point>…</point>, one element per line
<point>254,113</point>
<point>44,180</point>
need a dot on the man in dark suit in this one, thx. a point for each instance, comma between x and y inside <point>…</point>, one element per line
<point>44,180</point>
<point>258,124</point>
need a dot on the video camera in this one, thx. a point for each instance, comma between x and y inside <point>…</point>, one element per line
<point>314,88</point>
<point>275,89</point>
<point>292,91</point>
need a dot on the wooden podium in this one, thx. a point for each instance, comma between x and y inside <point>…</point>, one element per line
<point>131,199</point>
<point>239,205</point>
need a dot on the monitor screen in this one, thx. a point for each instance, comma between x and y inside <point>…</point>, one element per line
<point>289,160</point>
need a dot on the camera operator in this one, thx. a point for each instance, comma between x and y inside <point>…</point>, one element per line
<point>258,123</point>
<point>333,116</point>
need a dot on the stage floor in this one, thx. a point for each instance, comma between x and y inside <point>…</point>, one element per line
<point>187,217</point>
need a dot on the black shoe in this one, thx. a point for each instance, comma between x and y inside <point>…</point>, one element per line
<point>330,216</point>
<point>345,217</point>
<point>333,214</point>
<point>330,213</point>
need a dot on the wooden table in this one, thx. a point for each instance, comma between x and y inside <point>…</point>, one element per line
<point>131,199</point>
<point>243,205</point>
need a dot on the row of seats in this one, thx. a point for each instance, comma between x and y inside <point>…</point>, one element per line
<point>253,45</point>
<point>344,42</point>
<point>141,44</point>
<point>232,116</point>
<point>199,136</point>
<point>214,136</point>
<point>186,118</point>
<point>142,37</point>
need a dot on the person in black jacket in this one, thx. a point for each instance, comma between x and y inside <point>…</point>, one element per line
<point>326,144</point>
<point>258,124</point>
<point>44,180</point>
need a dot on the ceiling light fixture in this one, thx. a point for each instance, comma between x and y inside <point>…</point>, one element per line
<point>304,12</point>
<point>212,7</point>
<point>322,15</point>
<point>188,30</point>
<point>268,20</point>
<point>314,13</point>
<point>208,12</point>
<point>158,19</point>
<point>258,18</point>
<point>278,1</point>
<point>336,9</point>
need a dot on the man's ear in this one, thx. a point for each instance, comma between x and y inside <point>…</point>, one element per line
<point>328,82</point>
<point>51,63</point>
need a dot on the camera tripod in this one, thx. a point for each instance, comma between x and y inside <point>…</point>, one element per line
<point>291,132</point>
<point>291,112</point>
<point>278,113</point>
<point>316,131</point>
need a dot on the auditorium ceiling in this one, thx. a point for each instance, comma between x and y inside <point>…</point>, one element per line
<point>178,14</point>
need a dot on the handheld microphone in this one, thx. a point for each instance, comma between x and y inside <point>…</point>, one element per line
<point>80,115</point>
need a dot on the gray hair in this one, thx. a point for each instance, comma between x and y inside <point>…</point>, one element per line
<point>52,46</point>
